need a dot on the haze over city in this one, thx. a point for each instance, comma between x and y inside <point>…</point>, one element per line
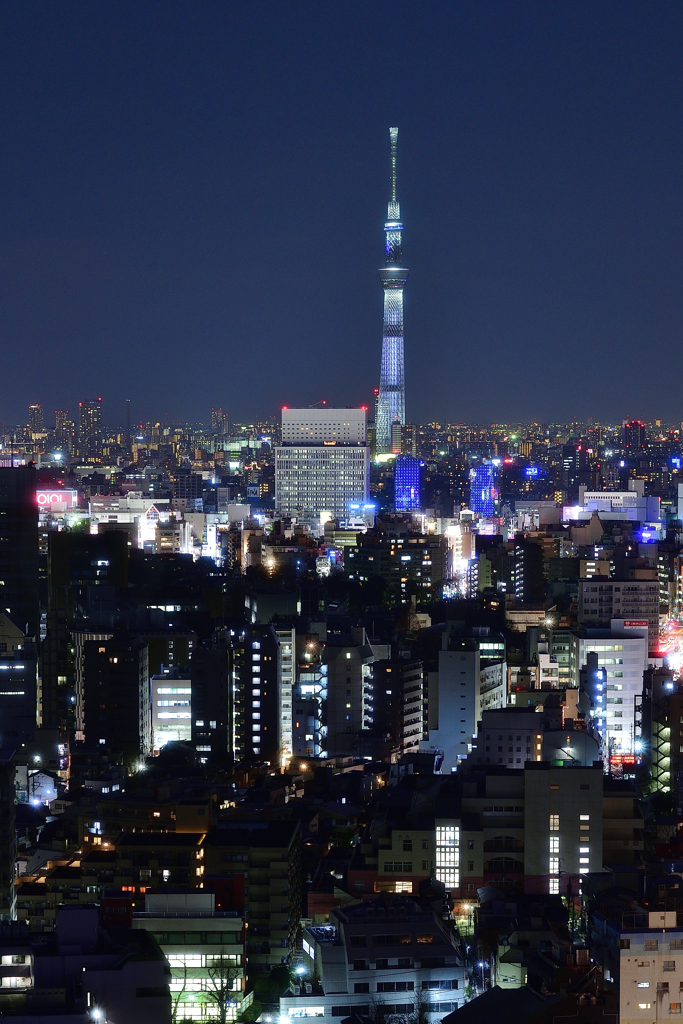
<point>193,201</point>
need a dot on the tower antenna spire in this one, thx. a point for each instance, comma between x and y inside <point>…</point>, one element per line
<point>391,401</point>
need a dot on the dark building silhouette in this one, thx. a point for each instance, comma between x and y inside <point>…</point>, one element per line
<point>115,694</point>
<point>19,546</point>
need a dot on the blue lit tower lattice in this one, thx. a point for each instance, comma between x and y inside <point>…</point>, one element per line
<point>391,404</point>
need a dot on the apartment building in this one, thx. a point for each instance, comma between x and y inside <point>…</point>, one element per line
<point>386,951</point>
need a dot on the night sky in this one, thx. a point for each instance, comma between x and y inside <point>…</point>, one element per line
<point>192,198</point>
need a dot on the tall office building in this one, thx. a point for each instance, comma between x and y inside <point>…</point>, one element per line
<point>35,419</point>
<point>391,403</point>
<point>65,429</point>
<point>634,435</point>
<point>90,428</point>
<point>406,483</point>
<point>484,490</point>
<point>19,546</point>
<point>219,422</point>
<point>323,462</point>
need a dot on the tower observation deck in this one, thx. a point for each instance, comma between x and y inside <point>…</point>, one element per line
<point>391,404</point>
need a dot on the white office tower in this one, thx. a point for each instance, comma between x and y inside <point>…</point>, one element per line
<point>323,464</point>
<point>622,655</point>
<point>320,426</point>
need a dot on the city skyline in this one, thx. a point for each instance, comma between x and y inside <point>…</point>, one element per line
<point>540,156</point>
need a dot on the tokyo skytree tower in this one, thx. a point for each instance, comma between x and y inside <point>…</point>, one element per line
<point>391,403</point>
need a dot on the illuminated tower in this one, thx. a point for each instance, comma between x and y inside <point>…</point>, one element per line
<point>391,404</point>
<point>90,429</point>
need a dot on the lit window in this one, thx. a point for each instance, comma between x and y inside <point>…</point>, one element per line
<point>554,823</point>
<point>448,855</point>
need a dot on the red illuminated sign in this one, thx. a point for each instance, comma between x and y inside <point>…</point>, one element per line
<point>623,759</point>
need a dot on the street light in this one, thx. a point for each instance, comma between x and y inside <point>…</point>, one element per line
<point>482,964</point>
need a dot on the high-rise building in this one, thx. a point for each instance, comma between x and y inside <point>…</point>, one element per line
<point>65,429</point>
<point>391,403</point>
<point>403,438</point>
<point>634,435</point>
<point>19,546</point>
<point>116,695</point>
<point>211,698</point>
<point>484,490</point>
<point>219,422</point>
<point>622,655</point>
<point>90,428</point>
<point>348,709</point>
<point>324,426</point>
<point>35,419</point>
<point>406,483</point>
<point>323,463</point>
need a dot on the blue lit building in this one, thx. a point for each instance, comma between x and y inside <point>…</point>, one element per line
<point>406,483</point>
<point>484,490</point>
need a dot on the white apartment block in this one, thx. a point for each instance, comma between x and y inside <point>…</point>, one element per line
<point>623,656</point>
<point>642,955</point>
<point>385,952</point>
<point>601,600</point>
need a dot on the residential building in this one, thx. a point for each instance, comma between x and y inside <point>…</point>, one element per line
<point>641,952</point>
<point>204,948</point>
<point>258,693</point>
<point>212,698</point>
<point>399,558</point>
<point>82,970</point>
<point>90,430</point>
<point>635,601</point>
<point>116,695</point>
<point>622,656</point>
<point>266,858</point>
<point>348,709</point>
<point>400,704</point>
<point>18,689</point>
<point>171,710</point>
<point>387,952</point>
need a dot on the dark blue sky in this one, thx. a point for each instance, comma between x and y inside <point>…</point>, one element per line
<point>192,198</point>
